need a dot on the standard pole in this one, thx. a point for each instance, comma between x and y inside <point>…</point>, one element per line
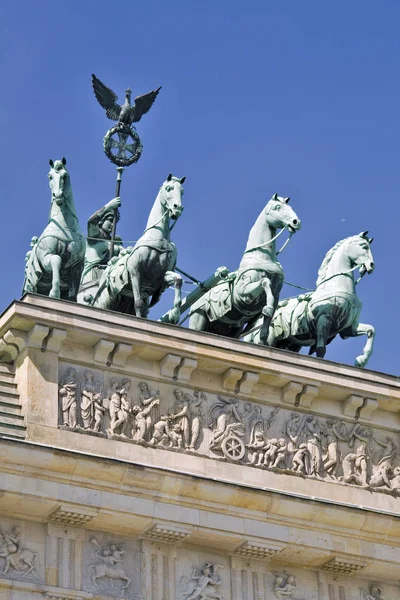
<point>120,170</point>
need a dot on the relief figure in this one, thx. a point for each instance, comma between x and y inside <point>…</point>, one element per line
<point>87,408</point>
<point>109,565</point>
<point>67,394</point>
<point>284,585</point>
<point>335,432</point>
<point>141,417</point>
<point>17,558</point>
<point>203,584</point>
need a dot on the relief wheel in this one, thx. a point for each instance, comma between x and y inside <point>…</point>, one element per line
<point>233,448</point>
<point>122,145</point>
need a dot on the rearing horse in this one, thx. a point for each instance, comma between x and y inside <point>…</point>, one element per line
<point>254,288</point>
<point>146,270</point>
<point>54,265</point>
<point>314,319</point>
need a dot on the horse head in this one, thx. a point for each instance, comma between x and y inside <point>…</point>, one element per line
<point>59,181</point>
<point>280,215</point>
<point>359,252</point>
<point>171,193</point>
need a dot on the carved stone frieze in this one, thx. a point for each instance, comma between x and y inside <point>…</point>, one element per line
<point>292,443</point>
<point>109,568</point>
<point>284,585</point>
<point>374,593</point>
<point>345,566</point>
<point>17,560</point>
<point>202,584</point>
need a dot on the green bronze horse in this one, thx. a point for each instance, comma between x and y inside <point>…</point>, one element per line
<point>315,318</point>
<point>54,265</point>
<point>134,281</point>
<point>254,288</point>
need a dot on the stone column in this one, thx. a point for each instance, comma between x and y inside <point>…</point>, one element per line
<point>158,571</point>
<point>64,556</point>
<point>247,579</point>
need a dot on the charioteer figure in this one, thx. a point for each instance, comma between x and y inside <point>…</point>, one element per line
<point>99,240</point>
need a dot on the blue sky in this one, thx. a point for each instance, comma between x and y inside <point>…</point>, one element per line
<point>299,98</point>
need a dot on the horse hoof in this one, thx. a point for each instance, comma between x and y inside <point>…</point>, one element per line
<point>360,362</point>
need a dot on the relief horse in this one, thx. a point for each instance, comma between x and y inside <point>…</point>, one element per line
<point>315,318</point>
<point>134,281</point>
<point>54,265</point>
<point>254,288</point>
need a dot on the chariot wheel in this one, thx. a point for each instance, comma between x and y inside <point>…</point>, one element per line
<point>122,145</point>
<point>233,448</point>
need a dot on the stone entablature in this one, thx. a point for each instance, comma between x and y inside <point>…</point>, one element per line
<point>271,475</point>
<point>272,412</point>
<point>100,403</point>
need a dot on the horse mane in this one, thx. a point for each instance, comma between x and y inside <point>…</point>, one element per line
<point>328,257</point>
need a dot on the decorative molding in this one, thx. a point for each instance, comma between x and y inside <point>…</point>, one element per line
<point>168,534</point>
<point>13,343</point>
<point>351,405</point>
<point>290,392</point>
<point>307,395</point>
<point>36,335</point>
<point>120,354</point>
<point>345,566</point>
<point>230,379</point>
<point>102,350</point>
<point>247,382</point>
<point>55,339</point>
<point>168,365</point>
<point>183,371</point>
<point>369,406</point>
<point>259,550</point>
<point>66,514</point>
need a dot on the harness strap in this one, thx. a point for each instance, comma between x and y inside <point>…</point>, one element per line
<point>266,243</point>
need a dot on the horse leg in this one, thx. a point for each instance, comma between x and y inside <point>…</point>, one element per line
<point>323,328</point>
<point>267,311</point>
<point>93,575</point>
<point>174,313</point>
<point>369,331</point>
<point>74,281</point>
<point>140,305</point>
<point>127,580</point>
<point>53,263</point>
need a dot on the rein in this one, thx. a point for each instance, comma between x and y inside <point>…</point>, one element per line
<point>342,273</point>
<point>266,243</point>
<point>158,222</point>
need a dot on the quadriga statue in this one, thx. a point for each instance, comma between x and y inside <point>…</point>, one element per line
<point>315,318</point>
<point>253,289</point>
<point>134,280</point>
<point>54,265</point>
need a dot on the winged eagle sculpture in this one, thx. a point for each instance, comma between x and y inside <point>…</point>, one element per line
<point>125,114</point>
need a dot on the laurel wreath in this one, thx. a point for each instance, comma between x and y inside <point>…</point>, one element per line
<point>122,162</point>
